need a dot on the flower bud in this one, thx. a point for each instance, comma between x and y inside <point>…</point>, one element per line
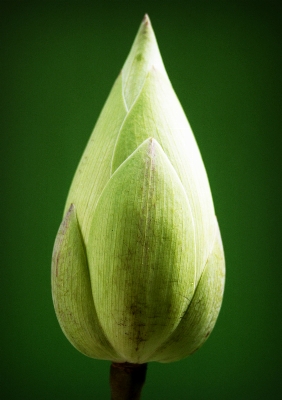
<point>138,264</point>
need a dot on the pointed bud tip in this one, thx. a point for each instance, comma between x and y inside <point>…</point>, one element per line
<point>146,26</point>
<point>146,20</point>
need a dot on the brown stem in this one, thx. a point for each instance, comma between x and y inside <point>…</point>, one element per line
<point>127,380</point>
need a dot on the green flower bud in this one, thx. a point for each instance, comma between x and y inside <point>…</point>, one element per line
<point>138,264</point>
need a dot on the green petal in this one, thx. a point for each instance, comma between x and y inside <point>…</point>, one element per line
<point>200,317</point>
<point>143,55</point>
<point>94,169</point>
<point>142,253</point>
<point>72,296</point>
<point>157,113</point>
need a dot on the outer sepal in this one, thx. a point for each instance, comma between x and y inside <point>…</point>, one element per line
<point>72,296</point>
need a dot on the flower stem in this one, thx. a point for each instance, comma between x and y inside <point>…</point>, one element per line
<point>127,380</point>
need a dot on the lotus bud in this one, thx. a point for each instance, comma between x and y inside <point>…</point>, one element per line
<point>138,264</point>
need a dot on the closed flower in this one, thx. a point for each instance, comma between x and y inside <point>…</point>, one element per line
<point>138,264</point>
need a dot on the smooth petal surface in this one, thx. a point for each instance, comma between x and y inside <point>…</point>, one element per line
<point>200,317</point>
<point>141,253</point>
<point>72,296</point>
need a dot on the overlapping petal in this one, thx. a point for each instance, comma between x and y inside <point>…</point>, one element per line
<point>200,317</point>
<point>157,113</point>
<point>142,253</point>
<point>72,296</point>
<point>94,169</point>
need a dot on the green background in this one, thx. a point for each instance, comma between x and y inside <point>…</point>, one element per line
<point>58,63</point>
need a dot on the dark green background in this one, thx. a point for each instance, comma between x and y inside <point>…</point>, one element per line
<point>58,63</point>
